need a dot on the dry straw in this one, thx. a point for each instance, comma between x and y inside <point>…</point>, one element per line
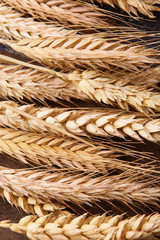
<point>67,226</point>
<point>145,7</point>
<point>102,122</point>
<point>83,51</point>
<point>30,204</point>
<point>64,12</point>
<point>75,188</point>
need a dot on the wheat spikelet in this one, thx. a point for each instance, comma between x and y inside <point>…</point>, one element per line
<point>65,12</point>
<point>83,51</point>
<point>67,226</point>
<point>65,187</point>
<point>14,26</point>
<point>30,205</point>
<point>145,7</point>
<point>20,82</point>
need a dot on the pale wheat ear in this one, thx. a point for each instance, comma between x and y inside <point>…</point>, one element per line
<point>19,82</point>
<point>70,14</point>
<point>133,7</point>
<point>76,188</point>
<point>79,51</point>
<point>30,204</point>
<point>63,225</point>
<point>41,123</point>
<point>53,152</point>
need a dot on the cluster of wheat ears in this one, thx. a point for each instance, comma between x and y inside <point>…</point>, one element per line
<point>79,88</point>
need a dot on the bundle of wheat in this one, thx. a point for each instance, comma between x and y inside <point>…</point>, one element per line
<point>84,57</point>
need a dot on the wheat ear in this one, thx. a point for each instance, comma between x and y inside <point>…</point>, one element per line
<point>48,150</point>
<point>65,12</point>
<point>102,122</point>
<point>65,187</point>
<point>115,93</point>
<point>27,83</point>
<point>80,51</point>
<point>14,26</point>
<point>145,7</point>
<point>29,204</point>
<point>67,226</point>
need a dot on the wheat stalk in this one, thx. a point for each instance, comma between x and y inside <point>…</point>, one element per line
<point>103,122</point>
<point>67,226</point>
<point>65,12</point>
<point>83,51</point>
<point>145,7</point>
<point>29,204</point>
<point>65,187</point>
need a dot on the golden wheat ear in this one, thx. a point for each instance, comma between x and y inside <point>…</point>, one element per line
<point>32,84</point>
<point>69,13</point>
<point>14,26</point>
<point>103,122</point>
<point>30,204</point>
<point>65,225</point>
<point>20,82</point>
<point>133,7</point>
<point>75,188</point>
<point>82,51</point>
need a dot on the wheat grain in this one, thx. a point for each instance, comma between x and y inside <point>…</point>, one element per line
<point>65,12</point>
<point>67,226</point>
<point>79,51</point>
<point>15,26</point>
<point>30,205</point>
<point>145,7</point>
<point>65,187</point>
